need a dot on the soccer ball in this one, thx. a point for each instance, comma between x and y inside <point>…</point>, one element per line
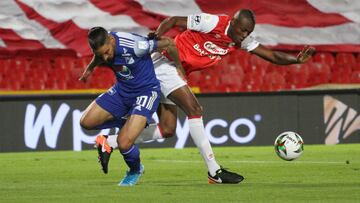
<point>289,145</point>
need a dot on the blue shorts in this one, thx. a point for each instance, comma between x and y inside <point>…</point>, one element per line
<point>121,107</point>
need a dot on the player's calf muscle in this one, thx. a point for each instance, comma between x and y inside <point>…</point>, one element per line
<point>195,110</point>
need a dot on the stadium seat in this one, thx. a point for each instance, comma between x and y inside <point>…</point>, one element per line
<point>13,85</point>
<point>18,76</point>
<point>273,81</point>
<point>82,62</point>
<point>345,58</point>
<point>277,68</point>
<point>356,66</point>
<point>4,65</point>
<point>340,77</point>
<point>242,58</point>
<point>346,68</point>
<point>252,82</point>
<point>194,79</point>
<point>258,69</point>
<point>228,88</point>
<point>341,74</point>
<point>250,87</point>
<point>232,79</point>
<point>297,76</point>
<point>209,82</point>
<point>324,57</point>
<point>19,62</point>
<point>65,63</point>
<point>257,61</point>
<point>355,77</point>
<point>3,83</point>
<point>318,74</point>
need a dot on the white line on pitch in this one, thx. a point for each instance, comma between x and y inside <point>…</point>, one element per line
<point>254,162</point>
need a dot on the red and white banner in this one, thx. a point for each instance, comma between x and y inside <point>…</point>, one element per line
<point>33,25</point>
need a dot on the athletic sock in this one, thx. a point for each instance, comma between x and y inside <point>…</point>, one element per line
<point>152,132</point>
<point>132,158</point>
<point>112,141</point>
<point>197,132</point>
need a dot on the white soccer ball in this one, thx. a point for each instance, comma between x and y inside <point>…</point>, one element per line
<point>289,145</point>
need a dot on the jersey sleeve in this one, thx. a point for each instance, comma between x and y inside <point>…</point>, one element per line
<point>202,22</point>
<point>144,46</point>
<point>249,43</point>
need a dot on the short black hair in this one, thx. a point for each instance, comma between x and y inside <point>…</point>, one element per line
<point>97,37</point>
<point>247,13</point>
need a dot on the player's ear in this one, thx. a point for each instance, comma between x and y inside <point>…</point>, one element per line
<point>232,22</point>
<point>110,39</point>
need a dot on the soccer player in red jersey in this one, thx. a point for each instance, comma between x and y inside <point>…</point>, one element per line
<point>206,40</point>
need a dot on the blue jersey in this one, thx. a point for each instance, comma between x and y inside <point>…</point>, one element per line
<point>132,64</point>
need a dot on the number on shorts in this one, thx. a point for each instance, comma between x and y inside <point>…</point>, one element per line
<point>145,101</point>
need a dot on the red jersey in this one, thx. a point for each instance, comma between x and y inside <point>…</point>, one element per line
<point>205,41</point>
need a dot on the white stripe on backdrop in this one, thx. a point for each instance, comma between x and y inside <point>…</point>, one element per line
<point>12,17</point>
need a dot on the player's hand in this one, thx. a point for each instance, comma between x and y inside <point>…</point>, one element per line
<point>305,54</point>
<point>153,35</point>
<point>85,76</point>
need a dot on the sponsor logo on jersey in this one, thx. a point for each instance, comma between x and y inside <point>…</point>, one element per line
<point>197,19</point>
<point>204,53</point>
<point>214,49</point>
<point>143,45</point>
<point>123,72</point>
<point>129,60</point>
<point>125,53</point>
<point>198,49</point>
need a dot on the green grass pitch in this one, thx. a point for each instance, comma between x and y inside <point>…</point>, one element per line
<point>322,174</point>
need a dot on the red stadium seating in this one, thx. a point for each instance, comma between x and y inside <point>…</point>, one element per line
<point>252,82</point>
<point>194,79</point>
<point>297,76</point>
<point>240,71</point>
<point>277,68</point>
<point>356,66</point>
<point>273,81</point>
<point>324,57</point>
<point>345,58</point>
<point>355,77</point>
<point>319,73</point>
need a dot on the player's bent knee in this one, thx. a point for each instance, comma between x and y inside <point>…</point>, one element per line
<point>124,144</point>
<point>84,123</point>
<point>168,132</point>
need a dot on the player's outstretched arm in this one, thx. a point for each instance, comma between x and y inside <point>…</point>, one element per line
<point>95,61</point>
<point>282,58</point>
<point>167,24</point>
<point>167,44</point>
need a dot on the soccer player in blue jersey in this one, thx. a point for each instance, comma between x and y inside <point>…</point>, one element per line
<point>131,102</point>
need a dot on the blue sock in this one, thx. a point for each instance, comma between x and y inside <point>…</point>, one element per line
<point>132,158</point>
<point>111,124</point>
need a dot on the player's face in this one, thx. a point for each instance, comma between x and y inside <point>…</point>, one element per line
<point>240,29</point>
<point>106,52</point>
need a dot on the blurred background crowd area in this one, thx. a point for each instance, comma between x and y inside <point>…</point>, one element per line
<point>238,72</point>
